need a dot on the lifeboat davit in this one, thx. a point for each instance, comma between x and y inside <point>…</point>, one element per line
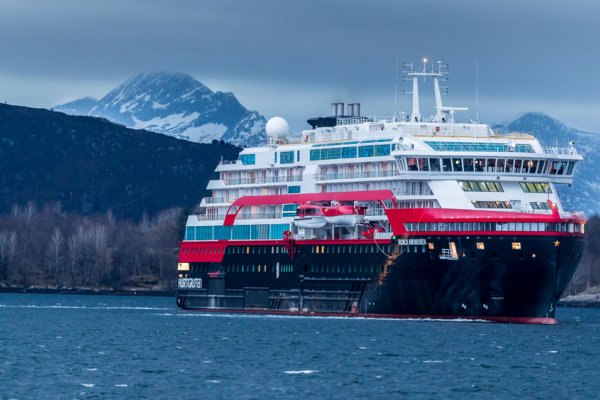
<point>344,214</point>
<point>310,216</point>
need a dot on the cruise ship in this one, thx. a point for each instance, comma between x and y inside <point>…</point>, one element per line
<point>410,216</point>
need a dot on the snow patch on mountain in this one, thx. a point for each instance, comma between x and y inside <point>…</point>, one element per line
<point>177,105</point>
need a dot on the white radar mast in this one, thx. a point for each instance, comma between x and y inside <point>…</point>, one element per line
<point>438,74</point>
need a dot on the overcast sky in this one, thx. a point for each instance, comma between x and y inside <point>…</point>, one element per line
<point>293,58</point>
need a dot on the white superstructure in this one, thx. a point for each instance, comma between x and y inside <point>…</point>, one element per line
<point>425,162</point>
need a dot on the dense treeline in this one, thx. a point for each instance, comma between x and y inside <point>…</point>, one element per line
<point>50,248</point>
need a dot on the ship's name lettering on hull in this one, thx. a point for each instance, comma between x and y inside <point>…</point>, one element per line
<point>416,242</point>
<point>189,283</point>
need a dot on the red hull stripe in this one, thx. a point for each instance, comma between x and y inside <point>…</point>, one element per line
<point>369,195</point>
<point>515,320</point>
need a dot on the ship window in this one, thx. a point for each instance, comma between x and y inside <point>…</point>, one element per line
<point>570,168</point>
<point>315,155</point>
<point>479,165</point>
<point>248,159</point>
<point>189,233</point>
<point>365,151</point>
<point>348,152</point>
<point>518,163</point>
<point>330,154</point>
<point>516,245</point>
<point>412,164</point>
<point>434,164</point>
<point>446,165</point>
<point>457,164</point>
<point>293,189</point>
<point>286,157</point>
<point>500,165</point>
<point>322,249</point>
<point>468,164</point>
<point>382,150</point>
<point>298,155</point>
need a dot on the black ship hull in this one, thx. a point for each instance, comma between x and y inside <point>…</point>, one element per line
<point>501,278</point>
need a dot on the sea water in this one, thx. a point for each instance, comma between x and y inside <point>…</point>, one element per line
<point>111,347</point>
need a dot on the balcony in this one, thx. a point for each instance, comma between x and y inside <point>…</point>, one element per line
<point>327,176</point>
<point>262,180</point>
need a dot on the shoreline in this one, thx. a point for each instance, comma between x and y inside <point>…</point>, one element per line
<point>89,291</point>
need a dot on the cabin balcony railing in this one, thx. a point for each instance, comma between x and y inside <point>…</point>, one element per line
<point>560,150</point>
<point>355,175</point>
<point>214,200</point>
<point>262,180</point>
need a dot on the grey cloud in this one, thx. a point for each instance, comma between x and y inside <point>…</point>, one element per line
<point>536,51</point>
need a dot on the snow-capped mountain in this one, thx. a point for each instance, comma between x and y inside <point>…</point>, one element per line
<point>178,105</point>
<point>584,195</point>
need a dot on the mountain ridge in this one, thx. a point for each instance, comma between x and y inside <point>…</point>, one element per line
<point>177,105</point>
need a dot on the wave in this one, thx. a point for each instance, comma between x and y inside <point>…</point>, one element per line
<point>301,372</point>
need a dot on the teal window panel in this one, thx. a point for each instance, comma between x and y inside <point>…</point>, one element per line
<point>248,159</point>
<point>240,232</point>
<point>222,232</point>
<point>475,146</point>
<point>286,157</point>
<point>382,150</point>
<point>315,155</point>
<point>331,154</point>
<point>290,207</point>
<point>348,152</point>
<point>278,229</point>
<point>293,189</point>
<point>189,233</point>
<point>365,151</point>
<point>259,231</point>
<point>204,233</point>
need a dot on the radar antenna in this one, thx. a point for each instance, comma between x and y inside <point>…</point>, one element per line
<point>439,74</point>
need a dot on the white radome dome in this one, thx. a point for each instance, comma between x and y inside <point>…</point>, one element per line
<point>277,127</point>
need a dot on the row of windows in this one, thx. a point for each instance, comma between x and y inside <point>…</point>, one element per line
<point>237,232</point>
<point>510,165</point>
<point>255,250</point>
<point>494,226</point>
<point>491,204</point>
<point>354,249</point>
<point>478,186</point>
<point>202,250</point>
<point>335,153</point>
<point>474,146</point>
<point>353,142</point>
<point>536,187</point>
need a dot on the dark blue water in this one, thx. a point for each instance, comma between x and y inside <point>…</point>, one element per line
<point>81,347</point>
